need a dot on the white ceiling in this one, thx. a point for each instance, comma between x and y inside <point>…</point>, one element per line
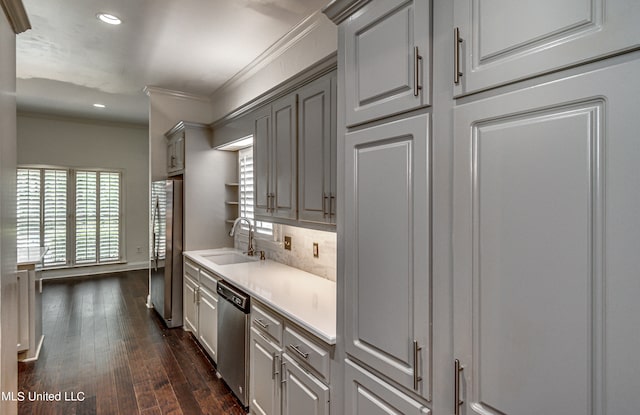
<point>70,60</point>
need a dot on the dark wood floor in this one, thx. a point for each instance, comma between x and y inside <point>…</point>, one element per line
<point>101,340</point>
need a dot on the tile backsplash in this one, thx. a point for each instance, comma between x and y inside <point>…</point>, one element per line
<point>301,254</point>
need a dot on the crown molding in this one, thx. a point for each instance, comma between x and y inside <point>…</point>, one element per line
<point>149,90</point>
<point>286,42</point>
<point>183,125</point>
<point>16,15</point>
<point>339,10</point>
<point>313,72</point>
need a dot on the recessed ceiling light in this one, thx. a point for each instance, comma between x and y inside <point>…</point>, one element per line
<point>109,18</point>
<point>99,105</point>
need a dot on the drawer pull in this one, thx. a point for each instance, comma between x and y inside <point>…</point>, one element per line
<point>274,365</point>
<point>260,323</point>
<point>456,56</point>
<point>296,349</point>
<point>457,402</point>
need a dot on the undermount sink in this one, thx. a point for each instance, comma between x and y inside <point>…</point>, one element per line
<point>225,258</point>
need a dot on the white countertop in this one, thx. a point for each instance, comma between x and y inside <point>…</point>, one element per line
<point>31,255</point>
<point>304,298</point>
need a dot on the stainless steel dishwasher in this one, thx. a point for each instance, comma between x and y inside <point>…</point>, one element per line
<point>233,339</point>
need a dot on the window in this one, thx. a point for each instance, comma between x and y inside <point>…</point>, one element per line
<point>245,164</point>
<point>158,215</point>
<point>76,213</point>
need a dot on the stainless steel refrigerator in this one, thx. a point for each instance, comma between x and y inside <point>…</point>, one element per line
<point>166,251</point>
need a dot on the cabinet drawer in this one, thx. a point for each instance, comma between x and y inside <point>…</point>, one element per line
<point>191,270</point>
<point>208,280</point>
<point>307,352</point>
<point>366,394</point>
<point>267,322</point>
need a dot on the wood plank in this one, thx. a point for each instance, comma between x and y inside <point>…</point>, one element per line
<point>101,340</point>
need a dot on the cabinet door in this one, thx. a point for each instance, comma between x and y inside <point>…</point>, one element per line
<point>264,379</point>
<point>506,40</point>
<point>333,155</point>
<point>208,321</point>
<point>23,310</point>
<point>175,153</point>
<point>546,231</point>
<point>190,305</point>
<point>302,393</point>
<point>171,156</point>
<point>387,53</point>
<point>262,161</point>
<point>284,158</point>
<point>314,152</point>
<point>366,394</point>
<point>387,250</point>
<point>179,151</point>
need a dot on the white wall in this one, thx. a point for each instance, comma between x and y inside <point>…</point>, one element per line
<point>8,285</point>
<point>85,143</point>
<point>311,41</point>
<point>166,109</point>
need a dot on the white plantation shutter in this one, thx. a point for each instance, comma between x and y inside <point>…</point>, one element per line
<point>55,216</point>
<point>28,208</point>
<point>46,196</point>
<point>109,216</point>
<point>86,216</point>
<point>245,163</point>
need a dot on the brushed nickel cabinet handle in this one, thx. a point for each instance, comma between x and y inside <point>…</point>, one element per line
<point>296,349</point>
<point>332,198</point>
<point>261,323</point>
<point>274,371</point>
<point>416,72</point>
<point>325,197</point>
<point>416,355</point>
<point>456,56</point>
<point>457,403</point>
<point>284,372</point>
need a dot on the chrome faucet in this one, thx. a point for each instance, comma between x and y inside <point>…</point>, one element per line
<point>250,250</point>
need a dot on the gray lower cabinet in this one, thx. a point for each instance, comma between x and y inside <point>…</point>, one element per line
<point>505,40</point>
<point>289,368</point>
<point>208,321</point>
<point>200,307</point>
<point>302,392</point>
<point>190,304</point>
<point>317,151</point>
<point>387,53</point>
<point>275,160</point>
<point>264,379</point>
<point>546,231</point>
<point>367,394</point>
<point>387,250</point>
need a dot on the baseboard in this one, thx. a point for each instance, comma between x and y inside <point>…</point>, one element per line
<point>36,355</point>
<point>94,270</point>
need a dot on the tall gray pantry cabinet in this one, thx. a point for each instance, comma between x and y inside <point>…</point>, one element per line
<point>503,136</point>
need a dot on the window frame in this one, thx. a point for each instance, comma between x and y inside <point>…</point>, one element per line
<point>71,214</point>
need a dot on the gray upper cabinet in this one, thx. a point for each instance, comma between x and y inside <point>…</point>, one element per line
<point>284,158</point>
<point>262,161</point>
<point>505,40</point>
<point>275,160</point>
<point>175,153</point>
<point>546,233</point>
<point>317,151</point>
<point>387,251</point>
<point>387,52</point>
